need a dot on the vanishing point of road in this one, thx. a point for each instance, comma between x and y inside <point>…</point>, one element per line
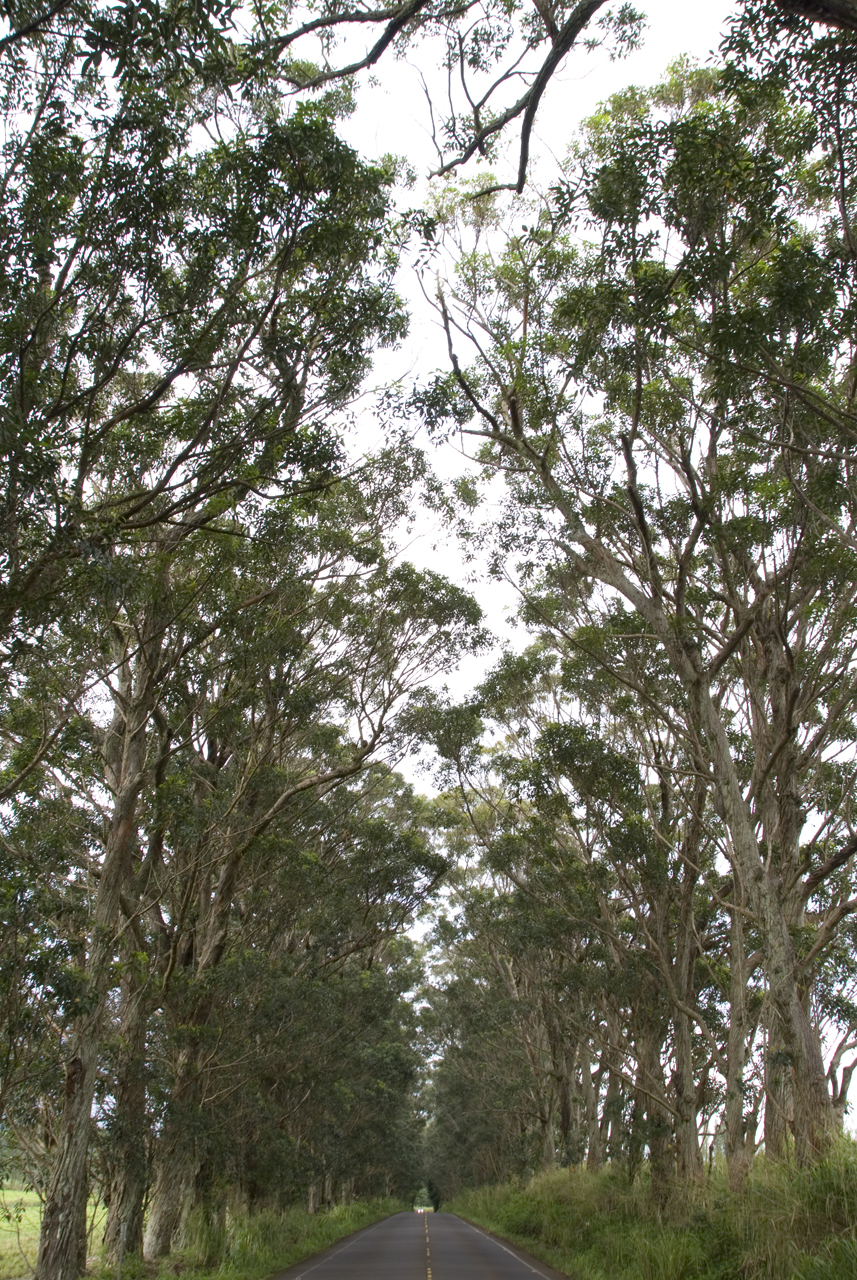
<point>421,1246</point>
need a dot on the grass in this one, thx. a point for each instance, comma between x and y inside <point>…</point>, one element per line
<point>20,1219</point>
<point>787,1224</point>
<point>254,1248</point>
<point>248,1248</point>
<point>20,1222</point>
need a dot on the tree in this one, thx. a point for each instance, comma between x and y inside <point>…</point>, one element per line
<point>249,680</point>
<point>184,321</point>
<point>624,387</point>
<point>595,861</point>
<point>488,48</point>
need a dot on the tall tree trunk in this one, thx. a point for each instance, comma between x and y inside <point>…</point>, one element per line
<point>594,1148</point>
<point>657,1126</point>
<point>58,1252</point>
<point>797,1041</point>
<point>176,1174</point>
<point>778,1092</point>
<point>688,1156</point>
<point>176,1163</point>
<point>738,1156</point>
<point>129,1167</point>
<point>125,749</point>
<point>611,1126</point>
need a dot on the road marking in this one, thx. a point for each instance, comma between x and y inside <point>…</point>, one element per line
<point>511,1252</point>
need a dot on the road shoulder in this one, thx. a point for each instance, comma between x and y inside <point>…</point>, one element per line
<point>296,1269</point>
<point>529,1259</point>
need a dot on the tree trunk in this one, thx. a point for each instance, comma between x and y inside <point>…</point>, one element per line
<point>176,1164</point>
<point>59,1241</point>
<point>594,1148</point>
<point>611,1127</point>
<point>657,1127</point>
<point>125,762</point>
<point>738,1157</point>
<point>202,1217</point>
<point>688,1157</point>
<point>176,1173</point>
<point>129,1165</point>
<point>58,1245</point>
<point>778,1099</point>
<point>796,1040</point>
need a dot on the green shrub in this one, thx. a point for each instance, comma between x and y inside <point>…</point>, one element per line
<point>838,1260</point>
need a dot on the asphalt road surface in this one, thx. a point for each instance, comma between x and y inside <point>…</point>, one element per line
<point>420,1246</point>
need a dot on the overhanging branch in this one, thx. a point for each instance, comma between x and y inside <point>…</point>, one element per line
<point>528,104</point>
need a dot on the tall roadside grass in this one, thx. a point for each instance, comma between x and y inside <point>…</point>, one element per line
<point>252,1248</point>
<point>787,1224</point>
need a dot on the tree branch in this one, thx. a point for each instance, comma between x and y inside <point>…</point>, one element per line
<point>35,24</point>
<point>528,104</point>
<point>812,882</point>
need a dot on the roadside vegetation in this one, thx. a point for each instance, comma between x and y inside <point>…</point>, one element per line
<point>215,656</point>
<point>648,955</point>
<point>237,1245</point>
<point>253,1248</point>
<point>786,1224</point>
<point>20,1219</point>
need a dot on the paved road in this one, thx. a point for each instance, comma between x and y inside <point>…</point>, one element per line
<point>420,1246</point>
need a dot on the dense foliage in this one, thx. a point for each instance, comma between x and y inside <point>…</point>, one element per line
<point>214,655</point>
<point>652,950</point>
<point>212,652</point>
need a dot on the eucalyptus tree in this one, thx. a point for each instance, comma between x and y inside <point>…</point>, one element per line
<point>250,675</point>
<point>253,1078</point>
<point>314,703</point>
<point>488,49</point>
<point>629,382</point>
<point>587,825</point>
<point>490,1107</point>
<point>181,326</point>
<point>300,1039</point>
<point>191,287</point>
<point>40,980</point>
<point>122,590</point>
<point>165,353</point>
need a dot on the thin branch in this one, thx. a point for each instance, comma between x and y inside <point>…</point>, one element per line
<point>528,104</point>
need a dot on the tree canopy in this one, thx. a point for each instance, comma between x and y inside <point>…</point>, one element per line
<point>216,655</point>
